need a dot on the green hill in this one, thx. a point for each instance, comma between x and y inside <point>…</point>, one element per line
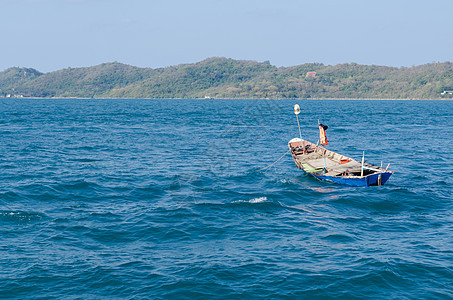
<point>228,78</point>
<point>13,78</point>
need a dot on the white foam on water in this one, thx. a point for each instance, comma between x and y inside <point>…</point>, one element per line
<point>258,200</point>
<point>254,200</point>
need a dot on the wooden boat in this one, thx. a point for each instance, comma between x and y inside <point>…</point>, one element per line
<point>324,164</point>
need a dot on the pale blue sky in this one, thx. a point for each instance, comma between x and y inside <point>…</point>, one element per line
<point>53,34</point>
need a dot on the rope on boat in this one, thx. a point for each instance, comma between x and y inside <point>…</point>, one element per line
<point>274,162</point>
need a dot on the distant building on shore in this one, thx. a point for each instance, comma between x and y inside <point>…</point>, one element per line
<point>310,74</point>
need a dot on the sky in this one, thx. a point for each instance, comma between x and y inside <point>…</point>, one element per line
<point>49,35</point>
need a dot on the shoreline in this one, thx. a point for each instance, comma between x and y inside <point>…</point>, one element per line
<point>203,99</point>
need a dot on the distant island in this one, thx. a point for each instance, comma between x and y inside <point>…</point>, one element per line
<point>219,78</point>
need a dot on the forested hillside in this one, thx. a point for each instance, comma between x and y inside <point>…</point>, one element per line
<point>228,78</point>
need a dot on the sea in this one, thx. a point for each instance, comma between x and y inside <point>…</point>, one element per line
<point>181,199</point>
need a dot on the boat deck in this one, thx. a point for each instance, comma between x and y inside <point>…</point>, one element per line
<point>313,158</point>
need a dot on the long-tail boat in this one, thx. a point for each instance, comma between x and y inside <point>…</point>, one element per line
<point>325,164</point>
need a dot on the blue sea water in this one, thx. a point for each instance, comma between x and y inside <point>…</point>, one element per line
<point>164,199</point>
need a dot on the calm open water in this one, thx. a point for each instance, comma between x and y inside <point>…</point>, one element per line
<point>162,199</point>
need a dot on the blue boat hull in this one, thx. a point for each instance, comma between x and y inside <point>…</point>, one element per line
<point>369,180</point>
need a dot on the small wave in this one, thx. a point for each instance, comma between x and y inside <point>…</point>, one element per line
<point>80,184</point>
<point>258,200</point>
<point>295,208</point>
<point>339,238</point>
<point>20,216</point>
<point>254,200</point>
<point>85,159</point>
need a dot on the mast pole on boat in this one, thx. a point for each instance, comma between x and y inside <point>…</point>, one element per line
<point>317,143</point>
<point>297,112</point>
<point>363,161</point>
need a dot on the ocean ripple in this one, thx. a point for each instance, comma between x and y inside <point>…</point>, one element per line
<point>167,199</point>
